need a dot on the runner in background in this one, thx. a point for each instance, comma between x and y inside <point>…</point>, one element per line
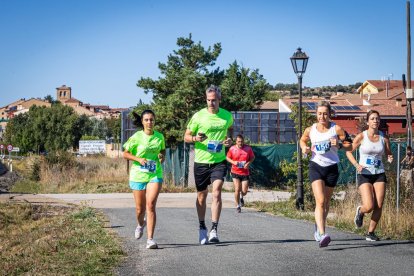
<point>240,156</point>
<point>373,145</point>
<point>146,148</point>
<point>326,139</point>
<point>208,129</point>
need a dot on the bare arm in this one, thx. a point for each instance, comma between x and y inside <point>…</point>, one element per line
<point>127,155</point>
<point>231,161</point>
<point>355,144</point>
<point>189,137</point>
<point>304,141</point>
<point>249,162</point>
<point>345,139</point>
<point>388,151</point>
<point>161,156</point>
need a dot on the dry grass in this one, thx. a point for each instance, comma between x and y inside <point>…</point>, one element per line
<point>91,174</point>
<point>73,175</point>
<point>50,240</point>
<point>393,224</point>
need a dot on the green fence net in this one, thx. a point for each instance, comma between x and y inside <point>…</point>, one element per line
<point>265,170</point>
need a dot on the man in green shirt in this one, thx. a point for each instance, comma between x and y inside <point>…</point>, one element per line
<point>208,130</point>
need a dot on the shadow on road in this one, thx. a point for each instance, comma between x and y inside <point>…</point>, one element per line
<point>227,243</point>
<point>365,245</point>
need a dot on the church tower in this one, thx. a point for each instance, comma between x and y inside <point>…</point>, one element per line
<point>63,93</point>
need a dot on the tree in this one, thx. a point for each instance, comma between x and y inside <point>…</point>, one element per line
<point>307,118</point>
<point>43,128</point>
<point>242,89</point>
<point>180,92</point>
<point>114,128</point>
<point>186,75</point>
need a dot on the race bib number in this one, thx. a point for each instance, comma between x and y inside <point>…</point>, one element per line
<point>322,147</point>
<point>241,164</point>
<point>372,161</point>
<point>214,146</point>
<point>150,166</point>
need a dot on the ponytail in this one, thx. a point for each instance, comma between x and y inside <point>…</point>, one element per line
<point>137,120</point>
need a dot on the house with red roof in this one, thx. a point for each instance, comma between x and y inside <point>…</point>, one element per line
<point>386,97</point>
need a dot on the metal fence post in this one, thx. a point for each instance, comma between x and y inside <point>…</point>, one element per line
<point>398,176</point>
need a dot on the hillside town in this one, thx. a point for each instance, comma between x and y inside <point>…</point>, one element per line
<point>64,96</point>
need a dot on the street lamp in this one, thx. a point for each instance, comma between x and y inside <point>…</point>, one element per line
<point>299,62</point>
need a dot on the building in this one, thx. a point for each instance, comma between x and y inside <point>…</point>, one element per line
<point>64,95</point>
<point>386,97</point>
<point>18,107</point>
<point>265,125</point>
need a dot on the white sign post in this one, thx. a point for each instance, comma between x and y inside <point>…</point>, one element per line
<point>91,146</point>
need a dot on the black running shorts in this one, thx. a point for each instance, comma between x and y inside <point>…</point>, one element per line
<point>371,178</point>
<point>328,174</point>
<point>240,177</point>
<point>205,174</point>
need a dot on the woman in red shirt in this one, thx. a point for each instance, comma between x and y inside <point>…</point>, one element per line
<point>240,156</point>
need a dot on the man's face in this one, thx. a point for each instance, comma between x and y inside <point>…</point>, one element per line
<point>212,102</point>
<point>239,142</point>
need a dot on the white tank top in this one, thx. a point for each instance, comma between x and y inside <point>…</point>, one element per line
<point>322,153</point>
<point>370,154</point>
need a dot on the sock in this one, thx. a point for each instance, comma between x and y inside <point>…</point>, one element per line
<point>202,224</point>
<point>214,225</point>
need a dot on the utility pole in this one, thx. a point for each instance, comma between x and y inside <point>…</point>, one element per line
<point>409,91</point>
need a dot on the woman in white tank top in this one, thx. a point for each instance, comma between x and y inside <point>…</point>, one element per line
<point>325,137</point>
<point>373,145</point>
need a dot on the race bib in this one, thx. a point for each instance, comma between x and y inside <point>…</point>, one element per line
<point>214,146</point>
<point>373,161</point>
<point>322,147</point>
<point>150,166</point>
<point>240,164</point>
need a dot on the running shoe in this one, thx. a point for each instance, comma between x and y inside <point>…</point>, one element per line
<point>325,240</point>
<point>359,217</point>
<point>139,231</point>
<point>316,234</point>
<point>238,209</point>
<point>371,237</point>
<point>151,244</point>
<point>213,236</point>
<point>241,202</point>
<point>202,236</point>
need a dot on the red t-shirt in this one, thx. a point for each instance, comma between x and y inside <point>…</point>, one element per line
<point>242,156</point>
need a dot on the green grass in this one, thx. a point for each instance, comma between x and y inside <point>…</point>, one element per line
<point>51,240</point>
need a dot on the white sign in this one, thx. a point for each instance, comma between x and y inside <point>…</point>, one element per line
<point>91,146</point>
<point>9,147</point>
<point>15,149</point>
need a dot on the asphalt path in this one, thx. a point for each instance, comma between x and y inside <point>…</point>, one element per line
<point>252,243</point>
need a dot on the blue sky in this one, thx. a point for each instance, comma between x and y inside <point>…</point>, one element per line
<point>101,48</point>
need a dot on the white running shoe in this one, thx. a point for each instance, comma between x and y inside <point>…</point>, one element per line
<point>139,231</point>
<point>213,236</point>
<point>316,234</point>
<point>202,236</point>
<point>151,244</point>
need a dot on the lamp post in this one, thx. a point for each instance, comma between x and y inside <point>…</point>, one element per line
<point>299,62</point>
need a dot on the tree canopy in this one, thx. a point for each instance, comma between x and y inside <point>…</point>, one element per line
<point>180,91</point>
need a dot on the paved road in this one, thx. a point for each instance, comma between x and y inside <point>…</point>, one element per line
<point>253,243</point>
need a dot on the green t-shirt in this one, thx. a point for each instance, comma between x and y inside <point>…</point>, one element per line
<point>145,146</point>
<point>215,127</point>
